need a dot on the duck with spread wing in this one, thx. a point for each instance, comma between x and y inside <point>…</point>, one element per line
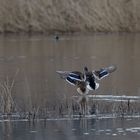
<point>86,80</point>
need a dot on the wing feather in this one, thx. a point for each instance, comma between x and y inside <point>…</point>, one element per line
<point>103,72</point>
<point>71,77</point>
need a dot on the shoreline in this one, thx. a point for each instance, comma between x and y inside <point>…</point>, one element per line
<point>65,33</point>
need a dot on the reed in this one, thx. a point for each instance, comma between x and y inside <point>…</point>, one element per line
<point>7,104</point>
<point>51,16</point>
<point>71,109</point>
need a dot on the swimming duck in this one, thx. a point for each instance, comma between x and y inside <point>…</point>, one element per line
<point>56,37</point>
<point>86,80</point>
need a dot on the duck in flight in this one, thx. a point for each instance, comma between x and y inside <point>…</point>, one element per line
<point>86,80</point>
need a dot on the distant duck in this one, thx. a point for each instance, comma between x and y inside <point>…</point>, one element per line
<point>56,37</point>
<point>87,80</point>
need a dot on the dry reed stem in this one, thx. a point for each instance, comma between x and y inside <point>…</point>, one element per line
<point>6,94</point>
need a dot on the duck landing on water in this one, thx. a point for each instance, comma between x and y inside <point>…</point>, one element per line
<point>86,81</point>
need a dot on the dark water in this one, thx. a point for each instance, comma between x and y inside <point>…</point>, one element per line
<point>32,62</point>
<point>90,129</point>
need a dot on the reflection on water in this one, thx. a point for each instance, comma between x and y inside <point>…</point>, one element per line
<point>78,129</point>
<point>38,58</point>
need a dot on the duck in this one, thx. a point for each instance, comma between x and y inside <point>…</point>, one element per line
<point>56,37</point>
<point>87,80</point>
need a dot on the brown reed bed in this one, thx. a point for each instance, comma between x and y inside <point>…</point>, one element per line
<point>63,16</point>
<point>70,109</point>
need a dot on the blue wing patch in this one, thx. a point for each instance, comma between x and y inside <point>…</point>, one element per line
<point>71,81</point>
<point>103,73</point>
<point>75,76</point>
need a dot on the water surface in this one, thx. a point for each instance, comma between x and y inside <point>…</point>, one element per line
<point>78,129</point>
<point>32,61</point>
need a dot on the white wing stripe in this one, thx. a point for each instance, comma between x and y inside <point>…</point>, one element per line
<point>73,78</point>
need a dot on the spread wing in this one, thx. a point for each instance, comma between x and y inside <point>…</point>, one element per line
<point>103,72</point>
<point>73,77</point>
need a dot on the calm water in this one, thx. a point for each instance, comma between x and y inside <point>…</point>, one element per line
<point>32,62</point>
<point>104,129</point>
